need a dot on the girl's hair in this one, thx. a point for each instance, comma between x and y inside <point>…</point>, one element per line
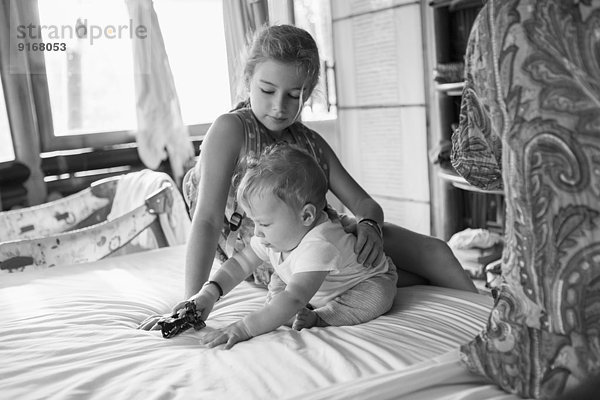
<point>287,172</point>
<point>286,44</point>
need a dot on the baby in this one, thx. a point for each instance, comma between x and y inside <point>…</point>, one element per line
<point>313,257</point>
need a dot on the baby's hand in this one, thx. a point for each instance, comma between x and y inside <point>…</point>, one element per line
<point>230,335</point>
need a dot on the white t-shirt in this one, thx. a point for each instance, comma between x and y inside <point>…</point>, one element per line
<point>327,247</point>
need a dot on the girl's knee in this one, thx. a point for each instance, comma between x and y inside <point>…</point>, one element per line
<point>438,247</point>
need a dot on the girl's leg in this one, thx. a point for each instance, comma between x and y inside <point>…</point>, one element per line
<point>422,259</point>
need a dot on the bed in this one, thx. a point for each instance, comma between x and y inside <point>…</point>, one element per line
<point>69,332</point>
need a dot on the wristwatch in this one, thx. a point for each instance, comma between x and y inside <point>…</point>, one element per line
<point>373,224</point>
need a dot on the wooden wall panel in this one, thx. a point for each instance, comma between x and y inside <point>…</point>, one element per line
<point>381,105</point>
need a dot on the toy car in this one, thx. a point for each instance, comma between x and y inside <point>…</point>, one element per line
<point>175,324</point>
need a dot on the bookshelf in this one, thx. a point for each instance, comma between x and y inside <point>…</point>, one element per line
<point>456,205</point>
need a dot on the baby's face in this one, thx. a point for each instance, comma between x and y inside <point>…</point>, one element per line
<point>278,225</point>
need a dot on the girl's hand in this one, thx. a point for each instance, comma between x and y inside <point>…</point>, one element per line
<point>348,223</point>
<point>369,244</point>
<point>204,299</point>
<point>151,323</point>
<point>230,335</point>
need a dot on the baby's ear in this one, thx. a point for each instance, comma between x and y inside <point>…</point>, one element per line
<point>309,214</point>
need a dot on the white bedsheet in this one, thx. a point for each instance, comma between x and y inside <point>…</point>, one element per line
<point>69,333</point>
<point>440,378</point>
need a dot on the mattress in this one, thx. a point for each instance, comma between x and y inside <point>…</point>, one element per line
<point>69,332</point>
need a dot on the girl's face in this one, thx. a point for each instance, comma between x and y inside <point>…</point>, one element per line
<point>275,94</point>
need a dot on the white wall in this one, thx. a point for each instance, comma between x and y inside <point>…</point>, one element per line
<point>382,124</point>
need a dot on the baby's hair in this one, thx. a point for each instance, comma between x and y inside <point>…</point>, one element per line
<point>287,172</point>
<point>286,44</point>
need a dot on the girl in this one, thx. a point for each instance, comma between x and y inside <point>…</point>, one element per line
<point>280,74</point>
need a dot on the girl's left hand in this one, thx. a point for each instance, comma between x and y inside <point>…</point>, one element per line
<point>234,333</point>
<point>369,245</point>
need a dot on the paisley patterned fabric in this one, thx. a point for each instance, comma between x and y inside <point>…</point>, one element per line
<point>476,143</point>
<point>257,138</point>
<point>534,88</point>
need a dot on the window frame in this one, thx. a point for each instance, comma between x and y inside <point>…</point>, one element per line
<point>49,142</point>
<point>41,106</point>
<point>10,127</point>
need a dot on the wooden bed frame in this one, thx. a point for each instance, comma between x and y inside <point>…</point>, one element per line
<point>74,229</point>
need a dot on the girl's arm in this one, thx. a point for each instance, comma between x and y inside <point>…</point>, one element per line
<point>297,294</point>
<point>369,243</point>
<point>236,269</point>
<point>220,151</point>
<point>229,275</point>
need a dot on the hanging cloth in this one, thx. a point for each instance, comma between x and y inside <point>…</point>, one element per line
<point>161,131</point>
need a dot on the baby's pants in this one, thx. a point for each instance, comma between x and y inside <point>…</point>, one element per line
<point>365,301</point>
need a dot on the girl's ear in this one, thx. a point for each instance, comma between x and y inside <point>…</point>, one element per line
<point>309,214</point>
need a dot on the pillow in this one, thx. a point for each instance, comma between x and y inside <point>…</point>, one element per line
<point>534,71</point>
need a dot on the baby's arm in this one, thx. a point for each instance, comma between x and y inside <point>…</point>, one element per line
<point>282,308</point>
<point>297,294</point>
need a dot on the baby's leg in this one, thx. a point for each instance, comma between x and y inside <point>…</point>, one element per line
<point>307,318</point>
<point>364,302</point>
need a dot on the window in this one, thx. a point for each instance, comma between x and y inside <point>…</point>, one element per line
<point>90,83</point>
<point>315,17</point>
<point>88,92</point>
<point>194,38</point>
<point>7,152</point>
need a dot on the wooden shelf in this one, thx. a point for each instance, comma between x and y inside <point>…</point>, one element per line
<point>456,203</point>
<point>451,89</point>
<point>461,183</point>
<point>460,4</point>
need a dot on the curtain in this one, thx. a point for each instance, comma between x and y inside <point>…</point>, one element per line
<point>161,131</point>
<point>241,19</point>
<point>533,120</point>
<point>16,79</point>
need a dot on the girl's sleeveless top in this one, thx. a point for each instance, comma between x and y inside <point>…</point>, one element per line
<point>237,230</point>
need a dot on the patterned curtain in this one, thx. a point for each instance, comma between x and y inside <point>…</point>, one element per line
<point>161,132</point>
<point>531,119</point>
